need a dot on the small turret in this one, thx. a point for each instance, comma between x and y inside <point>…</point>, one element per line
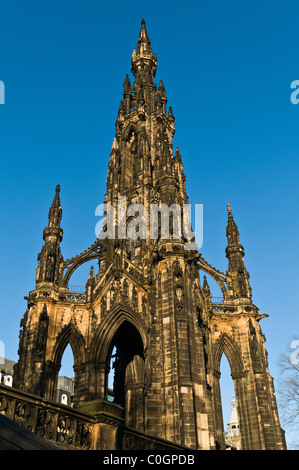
<point>90,285</point>
<point>178,157</point>
<point>55,212</point>
<point>127,85</point>
<point>206,289</point>
<point>238,283</point>
<point>50,257</point>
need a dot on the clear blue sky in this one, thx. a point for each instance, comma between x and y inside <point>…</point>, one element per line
<point>227,69</point>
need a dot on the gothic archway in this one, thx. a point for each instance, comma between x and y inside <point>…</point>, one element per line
<point>126,344</point>
<point>69,335</point>
<point>227,346</point>
<point>129,373</point>
<point>121,344</point>
<point>107,329</point>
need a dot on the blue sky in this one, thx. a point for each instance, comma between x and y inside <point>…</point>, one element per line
<point>227,68</point>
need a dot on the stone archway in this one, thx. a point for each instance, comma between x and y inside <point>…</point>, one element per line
<point>129,374</point>
<point>123,335</point>
<point>72,336</point>
<point>227,346</point>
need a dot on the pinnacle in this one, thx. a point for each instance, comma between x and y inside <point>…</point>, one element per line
<point>143,62</point>
<point>161,89</point>
<point>91,277</point>
<point>178,154</point>
<point>127,83</point>
<point>143,32</point>
<point>231,220</point>
<point>232,231</point>
<point>144,43</point>
<point>55,211</point>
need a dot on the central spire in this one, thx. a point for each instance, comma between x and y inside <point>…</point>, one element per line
<point>144,63</point>
<point>143,168</point>
<point>144,43</point>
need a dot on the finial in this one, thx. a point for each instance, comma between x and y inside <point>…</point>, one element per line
<point>232,234</point>
<point>144,43</point>
<point>55,211</point>
<point>127,84</point>
<point>206,286</point>
<point>91,277</point>
<point>177,154</point>
<point>161,88</point>
<point>91,272</point>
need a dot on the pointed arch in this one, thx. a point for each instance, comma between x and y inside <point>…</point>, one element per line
<point>131,127</point>
<point>70,334</point>
<point>108,328</point>
<point>227,345</point>
<point>123,335</point>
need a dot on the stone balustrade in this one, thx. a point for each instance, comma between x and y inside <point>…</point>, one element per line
<point>100,427</point>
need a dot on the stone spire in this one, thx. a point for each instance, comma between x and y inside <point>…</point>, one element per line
<point>144,63</point>
<point>127,85</point>
<point>90,285</point>
<point>50,257</point>
<point>238,286</point>
<point>142,164</point>
<point>144,43</point>
<point>55,212</point>
<point>232,234</point>
<point>143,151</point>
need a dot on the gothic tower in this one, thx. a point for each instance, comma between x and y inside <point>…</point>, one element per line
<point>148,309</point>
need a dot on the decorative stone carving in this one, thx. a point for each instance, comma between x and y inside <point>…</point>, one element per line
<point>148,307</point>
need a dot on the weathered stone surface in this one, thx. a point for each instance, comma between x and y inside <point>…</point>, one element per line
<point>149,302</point>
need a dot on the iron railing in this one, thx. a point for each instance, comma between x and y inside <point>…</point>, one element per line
<point>78,289</point>
<point>216,300</point>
